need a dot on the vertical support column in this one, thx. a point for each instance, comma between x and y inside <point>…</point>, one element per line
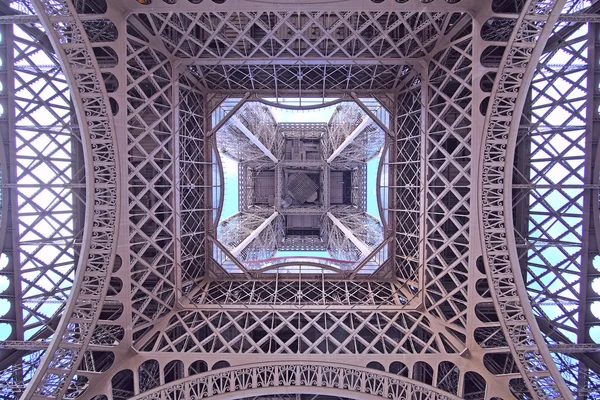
<point>9,227</point>
<point>209,226</point>
<point>365,122</point>
<point>250,135</point>
<point>9,217</point>
<point>392,167</point>
<point>591,222</point>
<point>176,178</point>
<point>425,123</point>
<point>479,97</point>
<point>123,232</point>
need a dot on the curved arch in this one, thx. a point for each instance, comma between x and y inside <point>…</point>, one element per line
<point>526,43</point>
<point>382,161</point>
<point>303,377</point>
<point>221,199</point>
<point>300,108</point>
<point>300,262</point>
<point>91,103</point>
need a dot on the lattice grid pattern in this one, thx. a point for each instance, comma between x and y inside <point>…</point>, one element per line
<point>158,178</point>
<point>406,175</point>
<point>151,182</point>
<point>233,36</point>
<point>47,191</point>
<point>558,141</point>
<point>192,180</point>
<point>300,293</point>
<point>44,155</point>
<point>322,376</point>
<point>448,174</point>
<point>300,332</point>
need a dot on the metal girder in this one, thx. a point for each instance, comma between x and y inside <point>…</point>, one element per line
<point>574,348</point>
<point>24,345</point>
<point>364,249</point>
<point>580,17</point>
<point>349,139</point>
<point>18,19</point>
<point>236,122</point>
<point>239,248</point>
<point>557,254</point>
<point>505,102</point>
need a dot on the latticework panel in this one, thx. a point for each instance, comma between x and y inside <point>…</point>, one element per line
<point>328,380</point>
<point>339,244</point>
<point>231,141</point>
<point>364,227</point>
<point>301,332</point>
<point>277,35</point>
<point>17,376</point>
<point>251,236</point>
<point>43,196</point>
<point>335,78</point>
<point>150,142</point>
<point>172,181</point>
<point>556,175</point>
<point>553,179</point>
<point>345,119</point>
<point>448,173</point>
<point>257,118</point>
<point>55,376</point>
<point>540,377</point>
<point>45,152</point>
<point>405,173</point>
<point>192,182</point>
<point>358,194</point>
<point>301,293</point>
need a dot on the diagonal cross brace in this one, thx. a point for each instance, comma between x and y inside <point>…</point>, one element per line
<point>364,249</point>
<point>238,124</point>
<point>240,247</point>
<point>365,122</point>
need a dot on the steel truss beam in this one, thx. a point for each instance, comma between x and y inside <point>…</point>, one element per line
<point>556,256</point>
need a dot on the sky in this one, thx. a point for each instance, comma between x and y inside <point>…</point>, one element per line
<point>281,115</point>
<point>52,167</point>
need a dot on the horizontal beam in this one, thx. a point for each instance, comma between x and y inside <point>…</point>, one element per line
<point>579,17</point>
<point>18,19</point>
<point>574,348</point>
<point>32,19</point>
<point>299,61</point>
<point>42,186</point>
<point>32,345</point>
<point>555,186</point>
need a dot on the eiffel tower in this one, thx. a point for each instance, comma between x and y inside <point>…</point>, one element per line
<point>317,200</point>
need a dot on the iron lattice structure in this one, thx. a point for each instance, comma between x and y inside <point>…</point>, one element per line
<point>112,187</point>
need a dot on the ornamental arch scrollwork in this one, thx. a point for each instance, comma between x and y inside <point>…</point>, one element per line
<point>531,356</point>
<point>315,378</point>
